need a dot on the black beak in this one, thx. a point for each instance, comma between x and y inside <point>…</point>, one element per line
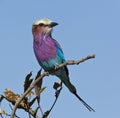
<point>53,24</point>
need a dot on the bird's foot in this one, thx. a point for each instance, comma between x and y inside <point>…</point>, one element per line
<point>56,67</point>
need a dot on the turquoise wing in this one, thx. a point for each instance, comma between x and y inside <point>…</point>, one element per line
<point>59,51</point>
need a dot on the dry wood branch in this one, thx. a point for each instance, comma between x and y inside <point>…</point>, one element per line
<point>73,62</point>
<point>70,62</point>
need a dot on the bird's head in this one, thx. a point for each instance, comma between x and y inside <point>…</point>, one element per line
<point>43,26</point>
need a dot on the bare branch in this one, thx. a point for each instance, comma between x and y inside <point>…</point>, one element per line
<point>73,62</point>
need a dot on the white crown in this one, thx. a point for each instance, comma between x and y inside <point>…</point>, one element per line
<point>45,21</point>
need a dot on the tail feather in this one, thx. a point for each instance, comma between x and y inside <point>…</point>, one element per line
<point>73,90</point>
<point>65,79</point>
<point>84,103</point>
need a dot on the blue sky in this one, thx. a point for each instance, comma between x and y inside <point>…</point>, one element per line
<point>85,27</point>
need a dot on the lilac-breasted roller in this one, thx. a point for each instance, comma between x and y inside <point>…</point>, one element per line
<point>49,53</point>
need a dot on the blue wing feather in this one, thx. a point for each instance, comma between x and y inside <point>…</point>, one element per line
<point>59,51</point>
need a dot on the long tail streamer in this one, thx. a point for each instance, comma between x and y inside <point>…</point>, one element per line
<point>84,103</point>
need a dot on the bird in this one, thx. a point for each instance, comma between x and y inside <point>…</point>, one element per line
<point>49,53</point>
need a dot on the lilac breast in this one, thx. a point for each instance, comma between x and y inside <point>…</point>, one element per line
<point>44,48</point>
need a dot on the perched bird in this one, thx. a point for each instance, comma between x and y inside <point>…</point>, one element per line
<point>49,53</point>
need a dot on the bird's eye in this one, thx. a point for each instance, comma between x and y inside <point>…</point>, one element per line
<point>41,24</point>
